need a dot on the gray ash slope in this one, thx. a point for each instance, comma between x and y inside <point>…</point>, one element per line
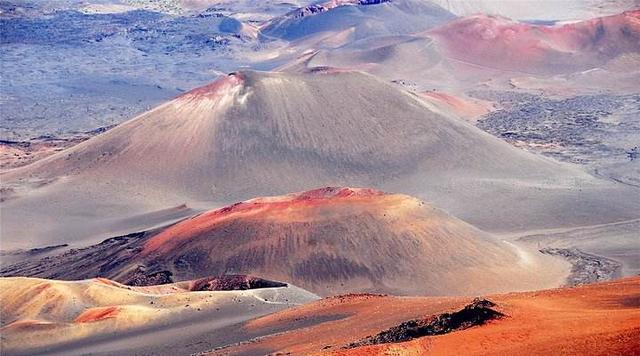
<point>257,134</point>
<point>364,19</point>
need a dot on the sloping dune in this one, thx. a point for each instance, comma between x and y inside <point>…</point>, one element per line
<point>41,315</point>
<point>600,319</point>
<point>254,134</point>
<point>415,60</point>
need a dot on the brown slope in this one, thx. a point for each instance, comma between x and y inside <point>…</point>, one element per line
<point>599,319</point>
<point>329,240</point>
<point>255,134</point>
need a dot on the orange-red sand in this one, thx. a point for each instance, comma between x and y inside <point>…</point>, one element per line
<point>96,314</point>
<point>601,319</point>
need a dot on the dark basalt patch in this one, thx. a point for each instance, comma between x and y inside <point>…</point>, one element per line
<point>631,302</point>
<point>372,2</point>
<point>99,260</point>
<point>586,267</point>
<point>233,282</point>
<point>39,250</point>
<point>142,278</point>
<point>477,313</point>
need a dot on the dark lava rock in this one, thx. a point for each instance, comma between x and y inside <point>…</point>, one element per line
<point>477,313</point>
<point>586,268</point>
<point>142,278</point>
<point>234,282</point>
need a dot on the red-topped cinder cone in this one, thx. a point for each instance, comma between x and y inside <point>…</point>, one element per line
<point>328,240</point>
<point>502,44</point>
<point>216,89</point>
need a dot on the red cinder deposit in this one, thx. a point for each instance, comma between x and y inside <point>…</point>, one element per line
<point>96,314</point>
<point>499,43</point>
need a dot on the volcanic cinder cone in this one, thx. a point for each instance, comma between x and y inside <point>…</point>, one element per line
<point>254,134</point>
<point>329,240</point>
<point>501,44</point>
<point>362,19</point>
<point>338,240</point>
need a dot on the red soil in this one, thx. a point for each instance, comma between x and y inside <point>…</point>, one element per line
<point>40,288</point>
<point>213,90</point>
<point>467,109</point>
<point>596,319</point>
<point>95,314</point>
